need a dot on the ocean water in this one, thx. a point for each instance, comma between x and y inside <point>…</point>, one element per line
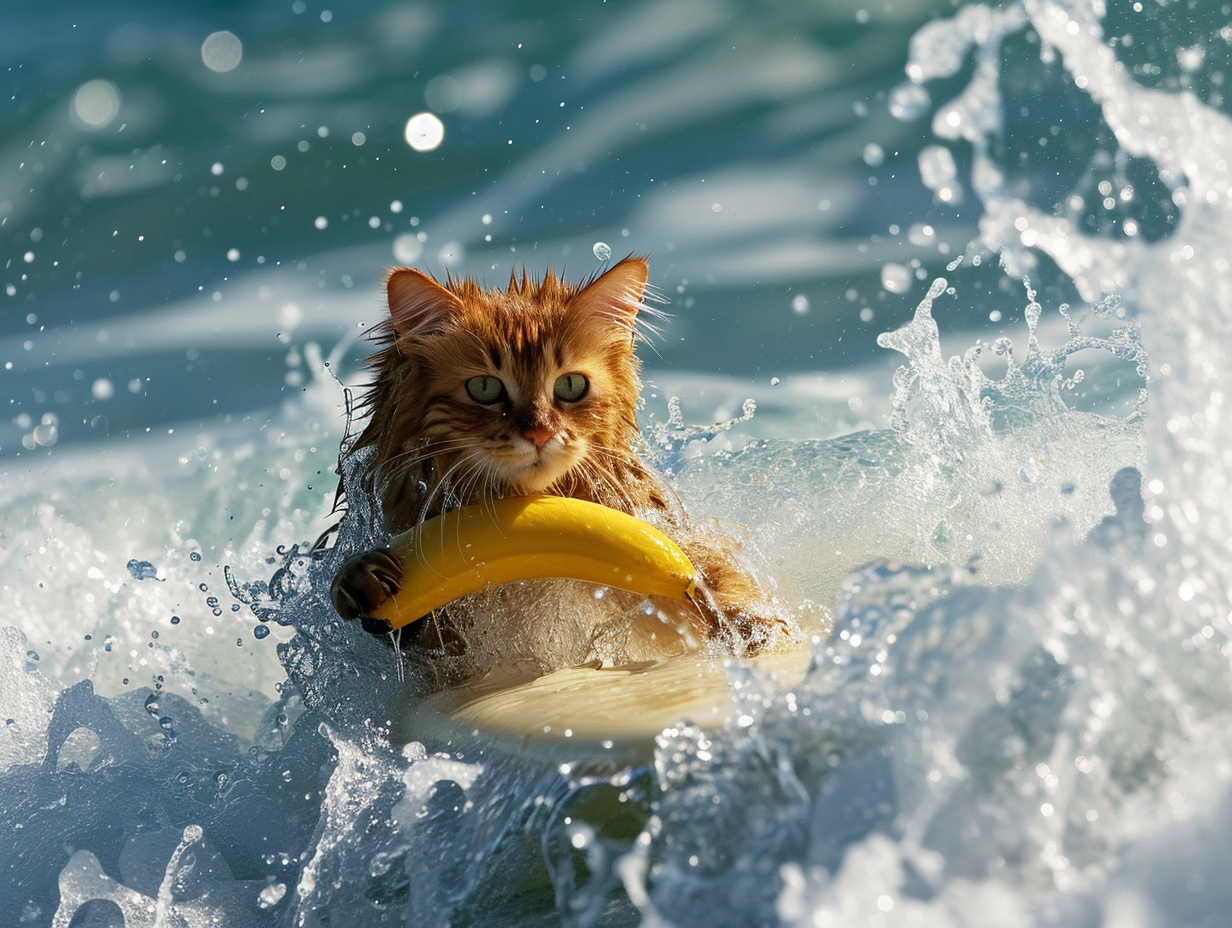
<point>971,265</point>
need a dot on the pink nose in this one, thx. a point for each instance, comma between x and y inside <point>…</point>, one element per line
<point>537,435</point>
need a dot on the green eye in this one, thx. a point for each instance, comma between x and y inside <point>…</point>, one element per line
<point>571,387</point>
<point>485,390</point>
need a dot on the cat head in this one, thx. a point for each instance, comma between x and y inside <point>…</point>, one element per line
<point>508,391</point>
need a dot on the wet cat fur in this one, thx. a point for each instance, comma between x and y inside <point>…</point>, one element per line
<point>466,404</point>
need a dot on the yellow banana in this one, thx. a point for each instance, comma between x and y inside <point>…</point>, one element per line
<point>531,537</point>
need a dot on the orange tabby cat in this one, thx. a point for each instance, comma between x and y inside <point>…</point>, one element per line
<point>532,389</point>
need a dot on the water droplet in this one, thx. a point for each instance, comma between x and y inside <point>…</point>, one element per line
<point>424,132</point>
<point>451,253</point>
<point>175,620</point>
<point>261,631</point>
<point>939,172</point>
<point>800,304</point>
<point>921,235</point>
<point>142,570</point>
<point>909,101</point>
<point>195,556</point>
<point>95,104</point>
<point>407,248</point>
<point>47,432</point>
<point>271,895</point>
<point>602,250</point>
<point>874,155</point>
<point>1190,59</point>
<point>222,51</point>
<point>895,278</point>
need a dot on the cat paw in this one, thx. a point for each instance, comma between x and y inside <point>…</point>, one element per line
<point>365,582</point>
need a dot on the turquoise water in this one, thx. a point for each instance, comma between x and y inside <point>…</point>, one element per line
<point>1017,703</point>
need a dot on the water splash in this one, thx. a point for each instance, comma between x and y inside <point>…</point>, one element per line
<point>1048,743</point>
<point>142,570</point>
<point>1044,785</point>
<point>951,405</point>
<point>673,441</point>
<point>1179,286</point>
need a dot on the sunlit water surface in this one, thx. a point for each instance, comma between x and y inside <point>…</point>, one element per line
<point>1018,711</point>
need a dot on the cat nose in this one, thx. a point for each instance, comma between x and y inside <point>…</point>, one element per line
<point>538,434</point>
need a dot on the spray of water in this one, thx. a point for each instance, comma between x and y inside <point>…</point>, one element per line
<point>1022,707</point>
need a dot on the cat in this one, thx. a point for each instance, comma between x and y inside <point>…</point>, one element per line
<point>482,393</point>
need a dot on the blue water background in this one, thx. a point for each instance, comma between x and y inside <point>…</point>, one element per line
<point>167,268</point>
<point>584,123</point>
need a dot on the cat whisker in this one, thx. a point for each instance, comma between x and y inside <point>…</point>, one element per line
<point>466,464</point>
<point>428,450</point>
<point>443,482</point>
<point>395,638</point>
<point>602,476</point>
<point>475,488</point>
<point>403,464</point>
<point>636,457</point>
<point>443,485</point>
<point>479,479</point>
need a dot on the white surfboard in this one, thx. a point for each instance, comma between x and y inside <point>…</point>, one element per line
<point>608,711</point>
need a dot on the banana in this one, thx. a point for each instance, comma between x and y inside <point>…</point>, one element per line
<point>531,537</point>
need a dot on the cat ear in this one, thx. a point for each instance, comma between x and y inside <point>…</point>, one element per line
<point>616,294</point>
<point>418,305</point>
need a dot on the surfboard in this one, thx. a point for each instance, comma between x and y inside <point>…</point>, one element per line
<point>614,712</point>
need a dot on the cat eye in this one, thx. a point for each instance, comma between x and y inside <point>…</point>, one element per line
<point>571,387</point>
<point>486,390</point>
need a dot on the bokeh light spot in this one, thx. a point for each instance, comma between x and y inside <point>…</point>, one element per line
<point>221,51</point>
<point>424,132</point>
<point>96,103</point>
